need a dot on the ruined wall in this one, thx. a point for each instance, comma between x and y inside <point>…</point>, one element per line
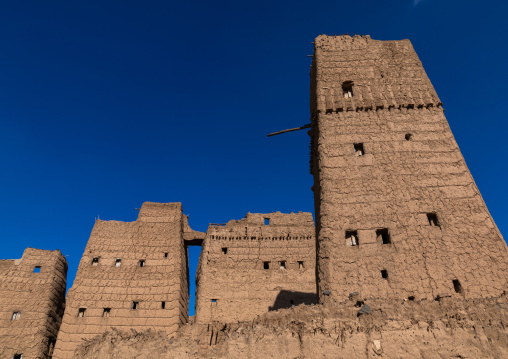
<point>398,213</point>
<point>131,275</point>
<point>248,267</point>
<point>32,301</point>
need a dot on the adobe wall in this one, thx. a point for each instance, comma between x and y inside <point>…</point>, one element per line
<point>411,168</point>
<point>39,298</point>
<point>157,238</point>
<point>232,281</point>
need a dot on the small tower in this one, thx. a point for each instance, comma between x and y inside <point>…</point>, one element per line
<point>397,211</point>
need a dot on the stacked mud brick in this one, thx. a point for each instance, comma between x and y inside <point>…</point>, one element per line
<point>132,275</point>
<point>398,213</point>
<point>32,297</point>
<point>251,266</point>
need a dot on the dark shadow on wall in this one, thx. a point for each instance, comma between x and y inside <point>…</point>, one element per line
<point>288,299</point>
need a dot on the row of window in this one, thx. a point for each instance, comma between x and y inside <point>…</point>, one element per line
<point>383,234</point>
<point>118,261</point>
<point>107,311</point>
<point>456,283</point>
<point>360,151</point>
<point>288,237</point>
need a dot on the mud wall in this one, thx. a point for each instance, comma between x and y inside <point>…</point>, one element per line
<point>388,171</point>
<point>254,265</point>
<point>32,301</point>
<point>131,275</point>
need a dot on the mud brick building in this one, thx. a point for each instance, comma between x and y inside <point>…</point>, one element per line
<point>260,263</point>
<point>132,275</point>
<point>32,300</point>
<point>398,213</point>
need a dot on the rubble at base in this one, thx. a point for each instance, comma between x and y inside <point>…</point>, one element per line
<point>444,328</point>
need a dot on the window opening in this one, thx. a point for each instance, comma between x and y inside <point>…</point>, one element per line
<point>213,300</point>
<point>17,356</point>
<point>141,263</point>
<point>300,264</point>
<point>433,221</point>
<point>163,305</point>
<point>135,305</point>
<point>95,261</point>
<point>81,312</point>
<point>411,298</point>
<point>383,235</point>
<point>384,274</point>
<point>347,89</point>
<point>224,250</point>
<point>359,149</point>
<point>118,262</point>
<point>267,221</point>
<point>408,137</point>
<point>51,346</point>
<point>457,286</point>
<point>37,269</point>
<point>292,302</point>
<point>106,312</point>
<point>266,265</point>
<point>166,254</point>
<point>16,315</point>
<point>282,264</point>
<point>352,238</point>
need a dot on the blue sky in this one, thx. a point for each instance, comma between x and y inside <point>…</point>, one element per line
<point>107,104</point>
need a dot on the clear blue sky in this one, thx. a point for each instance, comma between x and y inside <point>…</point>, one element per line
<point>107,104</point>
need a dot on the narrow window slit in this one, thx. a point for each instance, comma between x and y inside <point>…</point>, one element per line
<point>135,305</point>
<point>166,254</point>
<point>163,305</point>
<point>457,286</point>
<point>383,235</point>
<point>266,265</point>
<point>359,151</point>
<point>433,221</point>
<point>352,238</point>
<point>384,274</point>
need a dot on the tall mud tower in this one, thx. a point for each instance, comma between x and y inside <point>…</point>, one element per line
<point>397,211</point>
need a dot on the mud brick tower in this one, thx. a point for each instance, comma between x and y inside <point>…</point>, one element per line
<point>251,266</point>
<point>32,301</point>
<point>132,275</point>
<point>398,213</point>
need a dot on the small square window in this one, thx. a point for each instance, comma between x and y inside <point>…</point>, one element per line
<point>16,316</point>
<point>266,265</point>
<point>141,263</point>
<point>224,250</point>
<point>384,274</point>
<point>433,221</point>
<point>163,305</point>
<point>352,238</point>
<point>37,269</point>
<point>383,235</point>
<point>358,149</point>
<point>300,264</point>
<point>118,262</point>
<point>166,255</point>
<point>135,305</point>
<point>106,312</point>
<point>282,264</point>
<point>408,137</point>
<point>17,356</point>
<point>81,312</point>
<point>213,300</point>
<point>267,221</point>
<point>95,261</point>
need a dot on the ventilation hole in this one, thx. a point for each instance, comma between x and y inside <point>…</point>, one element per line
<point>408,137</point>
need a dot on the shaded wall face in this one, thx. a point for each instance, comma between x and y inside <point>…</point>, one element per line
<point>248,267</point>
<point>399,213</point>
<point>132,275</point>
<point>32,300</point>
